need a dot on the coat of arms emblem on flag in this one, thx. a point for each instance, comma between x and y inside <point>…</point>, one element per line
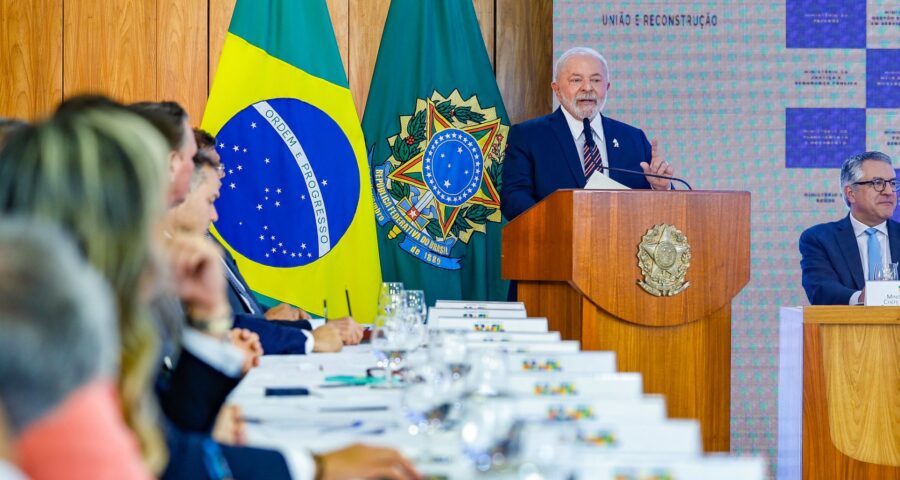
<point>440,183</point>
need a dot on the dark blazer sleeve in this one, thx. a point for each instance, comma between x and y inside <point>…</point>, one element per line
<point>192,394</point>
<point>276,339</point>
<point>822,282</point>
<point>517,191</point>
<point>196,456</point>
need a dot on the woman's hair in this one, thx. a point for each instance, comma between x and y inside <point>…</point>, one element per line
<point>99,171</point>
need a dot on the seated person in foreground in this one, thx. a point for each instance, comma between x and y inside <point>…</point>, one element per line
<point>58,358</point>
<point>838,257</point>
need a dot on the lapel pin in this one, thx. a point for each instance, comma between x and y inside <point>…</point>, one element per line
<point>615,143</point>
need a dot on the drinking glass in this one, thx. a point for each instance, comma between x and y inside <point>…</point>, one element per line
<point>489,432</point>
<point>390,301</point>
<point>428,402</point>
<point>390,352</point>
<point>547,450</point>
<point>888,272</point>
<point>415,303</point>
<point>488,375</point>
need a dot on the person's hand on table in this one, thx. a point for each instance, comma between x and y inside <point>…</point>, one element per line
<point>350,331</point>
<point>283,311</point>
<point>327,339</point>
<point>363,461</point>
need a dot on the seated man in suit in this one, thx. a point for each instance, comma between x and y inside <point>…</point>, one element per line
<point>838,257</point>
<point>563,149</point>
<point>291,336</point>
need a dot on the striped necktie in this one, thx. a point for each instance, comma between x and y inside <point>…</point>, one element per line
<point>592,158</point>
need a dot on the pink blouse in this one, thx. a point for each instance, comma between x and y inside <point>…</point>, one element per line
<point>85,438</point>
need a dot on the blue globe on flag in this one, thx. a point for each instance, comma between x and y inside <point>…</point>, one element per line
<point>291,185</point>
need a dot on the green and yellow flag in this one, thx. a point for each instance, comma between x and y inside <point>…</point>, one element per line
<point>296,203</point>
<point>436,129</point>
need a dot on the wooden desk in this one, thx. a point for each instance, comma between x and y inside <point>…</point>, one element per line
<point>839,393</point>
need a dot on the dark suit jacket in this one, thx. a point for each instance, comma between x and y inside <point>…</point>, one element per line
<point>832,269</point>
<point>197,456</point>
<point>541,158</point>
<point>192,393</point>
<point>278,337</point>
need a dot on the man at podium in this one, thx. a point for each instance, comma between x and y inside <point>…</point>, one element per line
<point>838,257</point>
<point>563,149</point>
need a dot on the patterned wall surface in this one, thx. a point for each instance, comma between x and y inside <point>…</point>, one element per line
<point>767,97</point>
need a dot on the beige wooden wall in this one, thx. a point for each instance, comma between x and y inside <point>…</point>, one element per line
<point>167,50</point>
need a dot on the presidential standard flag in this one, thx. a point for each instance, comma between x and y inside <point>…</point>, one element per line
<point>295,207</point>
<point>436,131</point>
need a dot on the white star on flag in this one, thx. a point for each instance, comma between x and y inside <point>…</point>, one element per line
<point>232,185</point>
<point>236,148</point>
<point>252,124</point>
<point>258,206</point>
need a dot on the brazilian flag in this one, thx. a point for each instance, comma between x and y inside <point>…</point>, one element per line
<point>436,129</point>
<point>295,207</point>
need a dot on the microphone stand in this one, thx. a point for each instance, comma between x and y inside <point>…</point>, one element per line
<point>634,172</point>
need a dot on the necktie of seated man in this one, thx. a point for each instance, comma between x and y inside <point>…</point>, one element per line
<point>592,158</point>
<point>874,253</point>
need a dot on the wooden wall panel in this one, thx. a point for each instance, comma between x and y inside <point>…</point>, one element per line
<point>30,57</point>
<point>168,49</point>
<point>219,18</point>
<point>484,10</point>
<point>340,21</point>
<point>367,19</point>
<point>524,57</point>
<point>110,47</point>
<point>181,54</point>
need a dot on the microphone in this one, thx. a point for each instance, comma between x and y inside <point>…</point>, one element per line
<point>641,173</point>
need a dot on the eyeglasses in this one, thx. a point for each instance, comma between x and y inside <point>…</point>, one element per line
<point>879,184</point>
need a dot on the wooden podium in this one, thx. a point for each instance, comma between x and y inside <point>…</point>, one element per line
<point>575,258</point>
<point>839,393</point>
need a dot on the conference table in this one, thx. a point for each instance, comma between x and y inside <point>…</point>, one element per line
<point>576,410</point>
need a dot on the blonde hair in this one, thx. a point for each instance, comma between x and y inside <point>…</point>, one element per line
<point>99,172</point>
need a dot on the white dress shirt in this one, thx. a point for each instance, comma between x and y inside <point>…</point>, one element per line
<point>577,128</point>
<point>218,354</point>
<point>862,241</point>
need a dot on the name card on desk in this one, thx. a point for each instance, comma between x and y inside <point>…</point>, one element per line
<point>466,305</point>
<point>495,325</point>
<point>579,362</point>
<point>883,294</point>
<point>435,312</point>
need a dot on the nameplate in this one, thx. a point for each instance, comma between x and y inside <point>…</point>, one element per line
<point>883,294</point>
